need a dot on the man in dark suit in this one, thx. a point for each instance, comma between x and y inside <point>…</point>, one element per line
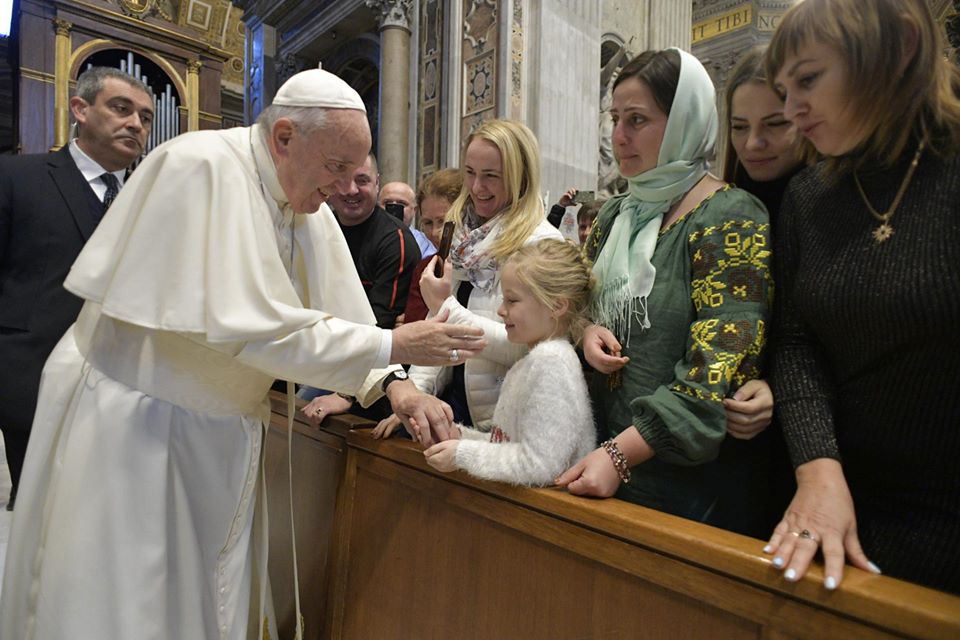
<point>49,206</point>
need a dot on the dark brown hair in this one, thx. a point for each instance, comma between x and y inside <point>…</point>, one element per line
<point>589,210</point>
<point>891,109</point>
<point>749,69</point>
<point>659,70</point>
<point>445,183</point>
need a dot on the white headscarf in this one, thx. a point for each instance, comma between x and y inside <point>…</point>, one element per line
<point>624,271</point>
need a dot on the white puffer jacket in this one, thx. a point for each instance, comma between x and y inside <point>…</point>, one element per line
<point>483,374</point>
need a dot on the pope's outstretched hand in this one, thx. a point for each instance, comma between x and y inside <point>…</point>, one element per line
<point>435,343</point>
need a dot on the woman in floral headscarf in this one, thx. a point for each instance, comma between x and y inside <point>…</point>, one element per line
<point>682,263</point>
<point>498,211</point>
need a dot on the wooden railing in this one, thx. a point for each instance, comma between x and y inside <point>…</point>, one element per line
<point>390,548</point>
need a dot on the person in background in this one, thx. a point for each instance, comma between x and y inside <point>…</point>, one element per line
<point>50,204</point>
<point>400,193</point>
<point>586,214</point>
<point>762,154</point>
<point>543,418</point>
<point>866,353</point>
<point>382,247</point>
<point>585,218</point>
<point>384,254</point>
<point>437,194</point>
<point>762,151</point>
<point>498,211</point>
<point>683,295</point>
<point>557,211</point>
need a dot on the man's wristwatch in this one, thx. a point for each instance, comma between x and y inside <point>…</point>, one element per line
<point>393,376</point>
<point>346,397</point>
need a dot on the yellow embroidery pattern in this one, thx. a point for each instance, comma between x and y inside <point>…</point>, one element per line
<point>738,268</point>
<point>730,266</point>
<point>723,354</point>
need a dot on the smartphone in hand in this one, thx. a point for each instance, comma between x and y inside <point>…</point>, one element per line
<point>583,197</point>
<point>395,209</point>
<point>445,240</point>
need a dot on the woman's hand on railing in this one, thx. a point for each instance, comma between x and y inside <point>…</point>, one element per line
<point>750,410</point>
<point>594,475</point>
<point>820,515</point>
<point>602,350</point>
<point>319,408</point>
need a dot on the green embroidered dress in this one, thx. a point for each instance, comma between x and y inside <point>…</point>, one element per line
<point>708,312</point>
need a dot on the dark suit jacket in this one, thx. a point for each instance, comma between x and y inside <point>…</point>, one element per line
<point>47,213</point>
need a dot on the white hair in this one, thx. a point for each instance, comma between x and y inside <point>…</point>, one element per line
<point>307,119</point>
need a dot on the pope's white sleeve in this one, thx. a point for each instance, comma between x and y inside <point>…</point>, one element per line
<point>372,388</point>
<point>332,354</point>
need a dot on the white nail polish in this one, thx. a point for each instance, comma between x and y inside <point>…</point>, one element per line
<point>790,574</point>
<point>874,568</point>
<point>830,583</point>
<point>768,548</point>
<point>778,562</point>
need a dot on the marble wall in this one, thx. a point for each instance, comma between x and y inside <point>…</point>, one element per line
<point>563,92</point>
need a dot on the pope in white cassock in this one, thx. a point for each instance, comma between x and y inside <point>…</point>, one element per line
<point>135,517</point>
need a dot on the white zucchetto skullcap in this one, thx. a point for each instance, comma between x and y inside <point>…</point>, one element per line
<point>318,88</point>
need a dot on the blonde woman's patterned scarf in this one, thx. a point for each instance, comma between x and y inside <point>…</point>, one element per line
<point>471,253</point>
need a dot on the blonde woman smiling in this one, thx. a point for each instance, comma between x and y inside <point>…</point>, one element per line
<point>498,211</point>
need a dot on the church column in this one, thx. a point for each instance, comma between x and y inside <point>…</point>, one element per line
<point>193,94</point>
<point>61,90</point>
<point>669,24</point>
<point>561,92</point>
<point>395,29</point>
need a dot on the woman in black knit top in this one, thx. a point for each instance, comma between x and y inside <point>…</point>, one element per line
<point>760,156</point>
<point>866,358</point>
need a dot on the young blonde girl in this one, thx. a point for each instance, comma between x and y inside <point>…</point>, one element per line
<point>542,422</point>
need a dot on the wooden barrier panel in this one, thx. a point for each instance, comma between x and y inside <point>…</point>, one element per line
<point>319,462</point>
<point>412,553</point>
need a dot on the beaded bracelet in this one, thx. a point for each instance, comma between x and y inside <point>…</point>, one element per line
<point>619,461</point>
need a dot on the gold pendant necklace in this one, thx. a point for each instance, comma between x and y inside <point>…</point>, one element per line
<point>882,233</point>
